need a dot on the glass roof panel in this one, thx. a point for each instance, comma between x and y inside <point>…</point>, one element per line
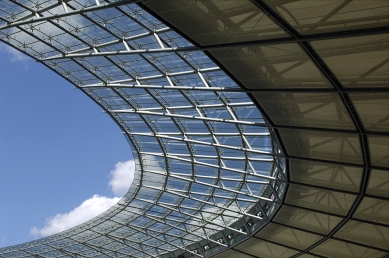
<point>375,210</point>
<point>320,199</point>
<point>278,66</point>
<point>373,109</point>
<point>378,183</point>
<point>232,254</point>
<point>262,248</point>
<point>374,235</point>
<point>323,110</point>
<point>336,248</point>
<point>357,61</point>
<point>306,219</point>
<point>379,151</point>
<point>335,15</point>
<point>288,236</point>
<point>342,147</point>
<point>325,174</point>
<point>232,21</point>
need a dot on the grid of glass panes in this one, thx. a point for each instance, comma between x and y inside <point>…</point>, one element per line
<point>205,163</point>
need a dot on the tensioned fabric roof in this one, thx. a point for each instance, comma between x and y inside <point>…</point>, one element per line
<point>307,176</point>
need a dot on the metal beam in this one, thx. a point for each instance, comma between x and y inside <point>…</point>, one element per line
<point>190,117</point>
<point>318,90</point>
<point>160,87</point>
<point>208,157</point>
<point>202,134</point>
<point>192,215</point>
<point>168,108</point>
<point>194,180</point>
<point>243,172</point>
<point>164,75</point>
<point>301,38</point>
<point>236,89</point>
<point>118,41</point>
<point>65,14</point>
<point>218,206</point>
<point>124,52</point>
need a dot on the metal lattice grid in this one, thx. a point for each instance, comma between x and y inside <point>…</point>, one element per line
<point>208,173</point>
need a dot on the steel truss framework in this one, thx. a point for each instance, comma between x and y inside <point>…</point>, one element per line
<point>213,173</point>
<point>206,175</point>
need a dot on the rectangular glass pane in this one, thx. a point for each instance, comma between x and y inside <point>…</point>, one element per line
<point>374,235</point>
<point>309,17</point>
<point>324,174</point>
<point>372,209</point>
<point>379,150</point>
<point>342,147</point>
<point>323,110</point>
<point>320,199</point>
<point>378,183</point>
<point>222,22</point>
<point>335,248</point>
<point>357,62</point>
<point>265,249</point>
<point>305,219</point>
<point>232,254</point>
<point>279,66</point>
<point>373,109</point>
<point>288,236</point>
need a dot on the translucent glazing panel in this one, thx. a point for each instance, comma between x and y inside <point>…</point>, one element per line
<point>373,109</point>
<point>310,17</point>
<point>373,235</point>
<point>324,174</point>
<point>305,219</point>
<point>280,66</point>
<point>232,254</point>
<point>288,236</point>
<point>323,110</point>
<point>372,209</point>
<point>320,199</point>
<point>378,183</point>
<point>265,249</point>
<point>336,248</point>
<point>342,147</point>
<point>307,256</point>
<point>222,22</point>
<point>379,150</point>
<point>357,62</point>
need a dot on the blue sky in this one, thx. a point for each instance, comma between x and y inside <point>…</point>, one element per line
<point>61,158</point>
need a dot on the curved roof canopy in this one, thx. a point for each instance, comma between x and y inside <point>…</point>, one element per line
<point>259,128</point>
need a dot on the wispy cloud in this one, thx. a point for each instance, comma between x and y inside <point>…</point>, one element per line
<point>121,179</point>
<point>13,54</point>
<point>2,240</point>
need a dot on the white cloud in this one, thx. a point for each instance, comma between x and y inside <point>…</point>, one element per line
<point>87,210</point>
<point>14,55</point>
<point>122,177</point>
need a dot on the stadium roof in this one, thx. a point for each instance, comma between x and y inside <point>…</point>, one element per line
<point>259,128</point>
